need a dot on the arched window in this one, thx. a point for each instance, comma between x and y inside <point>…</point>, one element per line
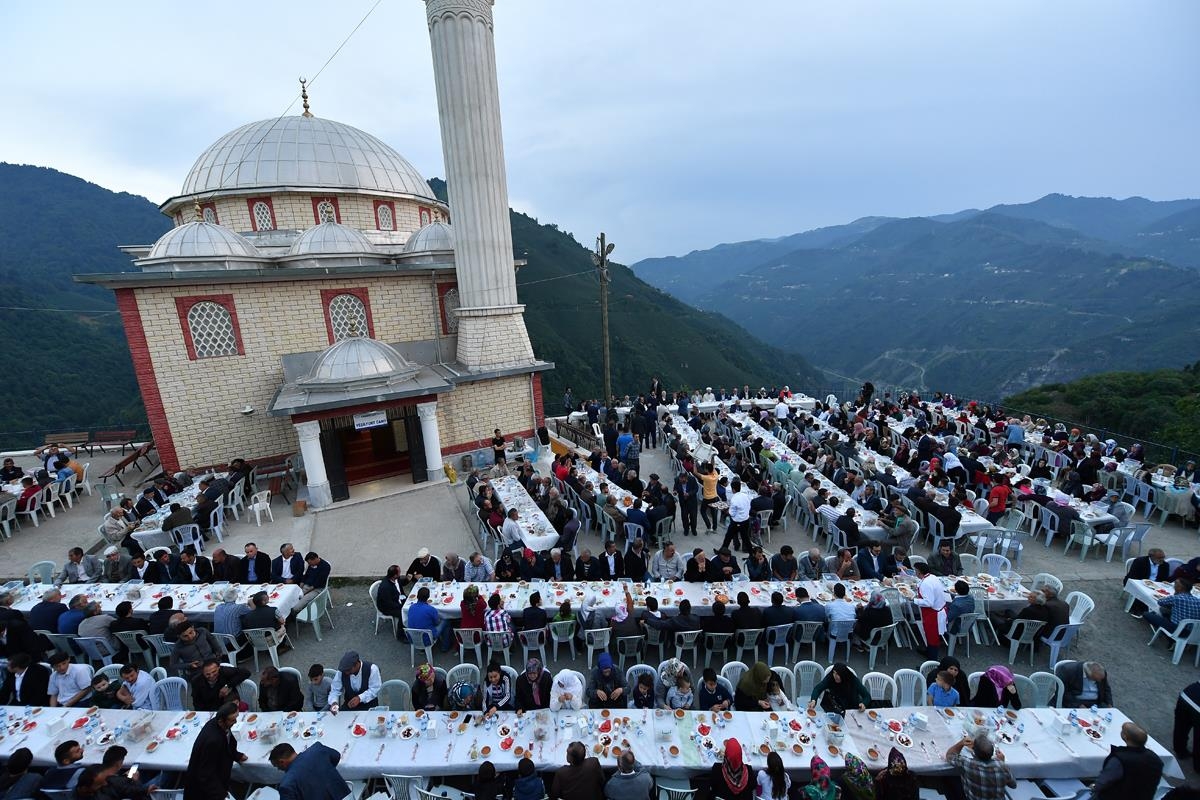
<point>262,215</point>
<point>384,219</point>
<point>347,317</point>
<point>210,215</point>
<point>326,212</point>
<point>211,328</point>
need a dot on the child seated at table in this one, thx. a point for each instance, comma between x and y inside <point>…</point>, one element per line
<point>643,692</point>
<point>779,700</point>
<point>319,687</point>
<point>104,693</point>
<point>942,693</point>
<point>680,695</point>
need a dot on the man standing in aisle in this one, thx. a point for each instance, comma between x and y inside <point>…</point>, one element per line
<point>213,756</point>
<point>932,600</point>
<point>311,775</point>
<point>739,517</point>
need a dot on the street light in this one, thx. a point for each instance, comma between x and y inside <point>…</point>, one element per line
<point>600,259</point>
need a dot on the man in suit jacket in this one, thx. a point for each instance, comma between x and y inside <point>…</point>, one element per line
<point>192,568</point>
<point>870,562</point>
<point>612,561</point>
<point>149,502</point>
<point>27,683</point>
<point>311,775</point>
<point>213,755</point>
<point>559,568</point>
<point>288,566</point>
<point>17,637</point>
<point>1152,566</point>
<point>115,566</point>
<point>226,567</point>
<point>167,569</point>
<point>1085,684</point>
<point>255,567</point>
<point>80,568</point>
<point>279,691</point>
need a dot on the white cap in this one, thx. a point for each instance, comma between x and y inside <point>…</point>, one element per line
<point>111,550</point>
<point>424,551</point>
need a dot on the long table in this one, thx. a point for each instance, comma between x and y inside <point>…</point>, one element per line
<point>447,596</point>
<point>1150,592</point>
<point>798,401</point>
<point>197,601</point>
<point>677,744</point>
<point>536,531</point>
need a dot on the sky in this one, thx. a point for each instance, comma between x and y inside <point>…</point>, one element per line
<point>670,125</point>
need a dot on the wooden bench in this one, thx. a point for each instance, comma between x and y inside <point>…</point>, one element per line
<point>77,439</point>
<point>130,460</point>
<point>103,439</point>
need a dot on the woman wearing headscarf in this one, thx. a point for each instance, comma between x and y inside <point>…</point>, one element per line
<point>429,689</point>
<point>567,693</point>
<point>732,778</point>
<point>951,664</point>
<point>820,787</point>
<point>473,608</point>
<point>463,696</point>
<point>996,688</point>
<point>840,690</point>
<point>751,694</point>
<point>875,615</point>
<point>856,780</point>
<point>896,782</point>
<point>622,622</point>
<point>533,687</point>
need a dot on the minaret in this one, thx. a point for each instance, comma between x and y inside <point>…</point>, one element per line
<point>491,324</point>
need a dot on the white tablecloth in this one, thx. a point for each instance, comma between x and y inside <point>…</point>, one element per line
<point>667,743</point>
<point>1150,592</point>
<point>536,530</point>
<point>197,601</point>
<point>446,597</point>
<point>694,444</point>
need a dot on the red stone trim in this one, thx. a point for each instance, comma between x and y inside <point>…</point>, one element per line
<point>316,201</point>
<point>539,414</point>
<point>184,304</point>
<point>390,205</point>
<point>361,293</point>
<point>442,288</point>
<point>143,368</point>
<point>250,201</point>
<point>424,216</point>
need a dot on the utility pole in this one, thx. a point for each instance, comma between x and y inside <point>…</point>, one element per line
<point>600,259</point>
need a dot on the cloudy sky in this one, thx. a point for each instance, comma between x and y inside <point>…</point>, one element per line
<point>670,125</point>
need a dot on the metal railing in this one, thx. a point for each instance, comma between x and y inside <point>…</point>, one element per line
<point>36,437</point>
<point>576,435</point>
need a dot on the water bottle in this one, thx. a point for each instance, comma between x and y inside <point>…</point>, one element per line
<point>1095,711</point>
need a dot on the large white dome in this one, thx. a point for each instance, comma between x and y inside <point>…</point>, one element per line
<point>202,240</point>
<point>330,238</point>
<point>303,152</point>
<point>435,236</point>
<point>356,362</point>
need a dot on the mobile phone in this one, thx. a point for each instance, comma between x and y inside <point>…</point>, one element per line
<point>132,771</point>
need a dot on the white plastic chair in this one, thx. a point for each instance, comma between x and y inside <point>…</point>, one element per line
<point>732,671</point>
<point>471,639</point>
<point>1023,632</point>
<point>715,644</point>
<point>419,639</point>
<point>966,626</point>
<point>805,633</point>
<point>498,643</point>
<point>1046,579</point>
<point>248,693</point>
<point>777,639</point>
<point>1186,633</point>
<point>49,497</point>
<point>882,687</point>
<point>266,640</point>
<point>1081,606</point>
<point>910,688</point>
<point>534,641</point>
<point>746,641</point>
<point>396,694</point>
<point>96,648</point>
<point>260,503</point>
<point>235,499</point>
<point>320,606</point>
<point>839,633</point>
<point>135,648</point>
<point>597,640</point>
<point>85,483</point>
<point>8,518</point>
<point>563,632</point>
<point>42,572</point>
<point>379,615</point>
<point>32,506</point>
<point>170,694</point>
<point>1048,690</point>
<point>468,673</point>
<point>994,564</point>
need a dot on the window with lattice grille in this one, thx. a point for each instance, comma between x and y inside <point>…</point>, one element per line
<point>347,317</point>
<point>263,219</point>
<point>326,212</point>
<point>450,304</point>
<point>384,219</point>
<point>211,328</point>
<point>210,215</point>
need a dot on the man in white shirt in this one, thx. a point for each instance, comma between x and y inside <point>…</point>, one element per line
<point>69,683</point>
<point>136,688</point>
<point>510,531</point>
<point>839,609</point>
<point>781,410</point>
<point>932,599</point>
<point>667,565</point>
<point>738,532</point>
<point>830,509</point>
<point>356,685</point>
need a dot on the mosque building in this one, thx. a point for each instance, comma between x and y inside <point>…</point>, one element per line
<point>316,298</point>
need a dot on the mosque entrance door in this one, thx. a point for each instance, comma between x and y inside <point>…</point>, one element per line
<point>373,448</point>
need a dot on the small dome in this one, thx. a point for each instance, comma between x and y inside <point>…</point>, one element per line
<point>433,237</point>
<point>202,240</point>
<point>329,238</point>
<point>357,362</point>
<point>303,152</point>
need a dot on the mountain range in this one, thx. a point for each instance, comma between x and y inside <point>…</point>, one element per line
<point>67,365</point>
<point>983,303</point>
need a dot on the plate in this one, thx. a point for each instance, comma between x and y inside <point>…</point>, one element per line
<point>454,715</point>
<point>1083,723</point>
<point>895,725</point>
<point>804,738</point>
<point>173,733</point>
<point>150,748</point>
<point>679,592</point>
<point>1092,732</point>
<point>485,751</point>
<point>518,751</point>
<point>251,718</point>
<point>873,714</point>
<point>447,600</point>
<point>674,751</point>
<point>904,740</point>
<point>824,597</point>
<point>358,730</point>
<point>812,712</point>
<point>794,724</point>
<point>798,749</point>
<point>79,723</point>
<point>408,733</point>
<point>679,713</point>
<point>503,731</point>
<point>703,729</point>
<point>833,751</point>
<point>506,743</point>
<point>949,712</point>
<point>606,714</point>
<point>292,714</point>
<point>872,754</point>
<point>1011,715</point>
<point>774,717</point>
<point>616,751</point>
<point>764,749</point>
<point>728,715</point>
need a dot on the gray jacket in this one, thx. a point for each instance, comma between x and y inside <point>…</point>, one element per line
<point>73,573</point>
